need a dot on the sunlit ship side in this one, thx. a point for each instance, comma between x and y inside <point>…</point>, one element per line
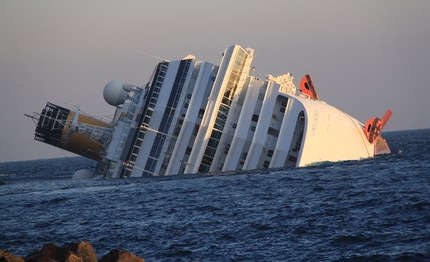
<point>197,117</point>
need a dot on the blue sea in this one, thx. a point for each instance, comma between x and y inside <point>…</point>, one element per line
<point>370,210</point>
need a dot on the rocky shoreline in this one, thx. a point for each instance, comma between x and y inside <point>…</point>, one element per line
<point>75,252</point>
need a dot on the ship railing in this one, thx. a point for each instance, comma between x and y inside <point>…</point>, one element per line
<point>98,134</point>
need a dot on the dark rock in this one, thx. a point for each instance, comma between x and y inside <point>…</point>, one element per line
<point>84,250</point>
<point>49,252</point>
<point>120,255</point>
<point>75,252</point>
<point>2,183</point>
<point>70,257</point>
<point>9,257</point>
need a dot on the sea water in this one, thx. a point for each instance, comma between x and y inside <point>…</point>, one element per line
<point>369,210</point>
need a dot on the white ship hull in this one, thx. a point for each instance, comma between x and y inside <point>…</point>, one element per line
<point>330,135</point>
<point>196,117</point>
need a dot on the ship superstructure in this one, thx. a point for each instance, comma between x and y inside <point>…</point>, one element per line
<point>197,117</point>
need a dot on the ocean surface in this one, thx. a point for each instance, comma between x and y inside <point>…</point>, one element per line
<point>370,210</point>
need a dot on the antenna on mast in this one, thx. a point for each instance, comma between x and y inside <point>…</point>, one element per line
<point>153,56</point>
<point>34,117</point>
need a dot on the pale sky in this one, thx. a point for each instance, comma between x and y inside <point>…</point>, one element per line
<point>364,56</point>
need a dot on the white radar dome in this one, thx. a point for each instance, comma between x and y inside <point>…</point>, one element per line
<point>114,93</point>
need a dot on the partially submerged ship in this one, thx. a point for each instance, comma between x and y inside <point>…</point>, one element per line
<point>197,117</point>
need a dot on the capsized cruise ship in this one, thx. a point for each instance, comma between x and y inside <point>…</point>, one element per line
<point>197,117</point>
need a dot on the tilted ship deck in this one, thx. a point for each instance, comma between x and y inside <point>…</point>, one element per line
<point>197,117</point>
